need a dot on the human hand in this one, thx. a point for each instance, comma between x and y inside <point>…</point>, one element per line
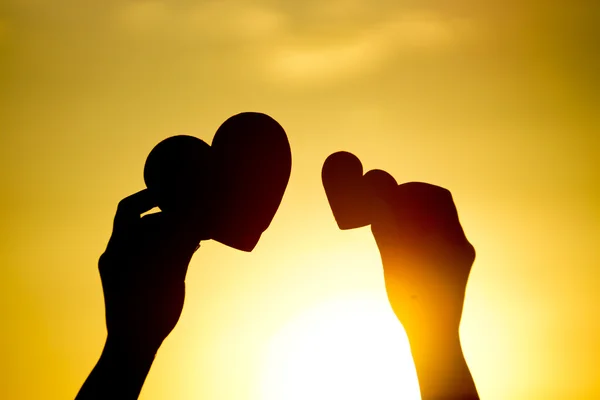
<point>143,273</point>
<point>426,261</point>
<point>426,256</point>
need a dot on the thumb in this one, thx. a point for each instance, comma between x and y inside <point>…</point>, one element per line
<point>384,225</point>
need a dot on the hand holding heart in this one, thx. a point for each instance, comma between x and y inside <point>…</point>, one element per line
<point>426,256</point>
<point>426,264</point>
<point>229,192</point>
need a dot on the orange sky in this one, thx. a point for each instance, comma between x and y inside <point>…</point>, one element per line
<point>497,101</point>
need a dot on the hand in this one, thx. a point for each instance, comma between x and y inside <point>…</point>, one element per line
<point>143,277</point>
<point>426,256</point>
<point>426,262</point>
<point>143,273</point>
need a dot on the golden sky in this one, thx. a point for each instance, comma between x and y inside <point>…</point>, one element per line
<point>497,101</point>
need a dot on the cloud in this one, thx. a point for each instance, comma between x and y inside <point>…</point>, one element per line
<point>325,44</point>
<point>368,49</point>
<point>207,20</point>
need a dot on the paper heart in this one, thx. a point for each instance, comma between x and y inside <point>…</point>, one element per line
<point>231,189</point>
<point>252,162</point>
<point>351,194</point>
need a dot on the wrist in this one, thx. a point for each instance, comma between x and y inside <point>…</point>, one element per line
<point>431,348</point>
<point>440,365</point>
<point>119,373</point>
<point>431,335</point>
<point>127,352</point>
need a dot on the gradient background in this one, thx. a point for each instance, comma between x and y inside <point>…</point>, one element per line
<point>499,102</point>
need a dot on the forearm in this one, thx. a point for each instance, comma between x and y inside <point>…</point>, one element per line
<point>120,373</point>
<point>441,367</point>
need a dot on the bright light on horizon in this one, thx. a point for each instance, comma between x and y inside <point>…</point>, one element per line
<point>349,349</point>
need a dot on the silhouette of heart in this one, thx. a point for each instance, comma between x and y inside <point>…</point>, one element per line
<point>252,162</point>
<point>350,193</point>
<point>231,189</point>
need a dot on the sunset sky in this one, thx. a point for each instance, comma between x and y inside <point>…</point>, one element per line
<point>497,101</point>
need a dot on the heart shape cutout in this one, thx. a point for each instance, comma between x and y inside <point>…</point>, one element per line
<point>351,194</point>
<point>233,188</point>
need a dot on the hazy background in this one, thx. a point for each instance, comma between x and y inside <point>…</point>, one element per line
<point>497,101</point>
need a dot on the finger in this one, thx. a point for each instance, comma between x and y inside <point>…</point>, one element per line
<point>128,214</point>
<point>423,205</point>
<point>412,212</point>
<point>384,225</point>
<point>130,209</point>
<point>174,243</point>
<point>425,210</point>
<point>176,231</point>
<point>184,233</point>
<point>380,183</point>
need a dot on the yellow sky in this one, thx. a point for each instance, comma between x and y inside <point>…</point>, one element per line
<point>497,101</point>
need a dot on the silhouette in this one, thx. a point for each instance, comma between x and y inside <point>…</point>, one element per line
<point>232,188</point>
<point>426,263</point>
<point>229,192</point>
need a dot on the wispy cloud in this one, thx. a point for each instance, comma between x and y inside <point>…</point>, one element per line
<point>288,51</point>
<point>223,19</point>
<point>368,48</point>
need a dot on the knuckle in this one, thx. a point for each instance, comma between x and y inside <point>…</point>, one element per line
<point>470,252</point>
<point>122,205</point>
<point>102,260</point>
<point>103,263</point>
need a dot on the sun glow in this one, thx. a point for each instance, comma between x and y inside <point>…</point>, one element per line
<point>347,349</point>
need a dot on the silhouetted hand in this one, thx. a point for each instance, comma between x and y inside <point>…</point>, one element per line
<point>143,273</point>
<point>143,277</point>
<point>426,260</point>
<point>426,256</point>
